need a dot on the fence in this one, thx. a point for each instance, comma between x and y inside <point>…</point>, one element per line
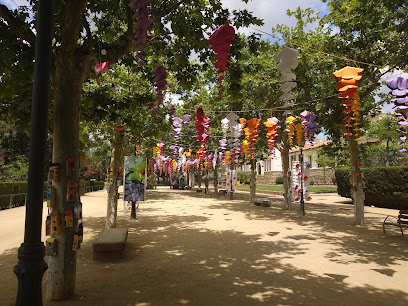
<point>19,199</point>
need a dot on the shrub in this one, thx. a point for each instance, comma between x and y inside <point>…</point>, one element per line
<point>383,186</point>
<point>243,177</point>
<point>279,180</point>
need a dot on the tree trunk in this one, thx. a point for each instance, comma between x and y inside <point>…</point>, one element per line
<point>112,206</point>
<point>387,148</point>
<point>216,179</point>
<point>252,182</point>
<point>357,182</point>
<point>231,181</point>
<point>67,97</point>
<point>206,180</point>
<point>199,179</point>
<point>286,172</point>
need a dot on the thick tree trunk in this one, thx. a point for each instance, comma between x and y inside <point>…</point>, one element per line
<point>112,206</point>
<point>216,179</point>
<point>199,179</point>
<point>287,204</point>
<point>67,89</point>
<point>252,182</point>
<point>357,182</point>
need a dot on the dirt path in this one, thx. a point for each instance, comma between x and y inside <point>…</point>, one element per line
<point>191,248</point>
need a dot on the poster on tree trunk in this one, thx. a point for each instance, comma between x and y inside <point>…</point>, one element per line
<point>135,168</point>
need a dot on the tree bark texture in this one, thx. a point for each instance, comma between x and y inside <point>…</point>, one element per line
<point>356,182</point>
<point>286,172</point>
<point>216,179</point>
<point>206,180</point>
<point>252,182</point>
<point>67,89</point>
<point>112,205</point>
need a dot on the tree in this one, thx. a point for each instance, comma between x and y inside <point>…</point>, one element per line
<point>385,130</point>
<point>75,53</point>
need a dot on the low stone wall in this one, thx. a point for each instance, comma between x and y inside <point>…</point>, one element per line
<point>319,176</point>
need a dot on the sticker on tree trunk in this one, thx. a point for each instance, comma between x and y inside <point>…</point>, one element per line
<point>135,168</point>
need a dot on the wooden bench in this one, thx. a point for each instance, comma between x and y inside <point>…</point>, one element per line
<point>110,243</point>
<point>262,202</point>
<point>402,220</point>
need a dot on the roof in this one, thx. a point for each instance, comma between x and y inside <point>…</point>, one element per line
<point>311,146</point>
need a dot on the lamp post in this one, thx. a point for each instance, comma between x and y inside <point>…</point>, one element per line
<point>302,200</point>
<point>31,265</point>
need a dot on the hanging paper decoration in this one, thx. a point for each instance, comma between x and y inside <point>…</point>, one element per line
<point>160,82</point>
<point>300,179</point>
<point>399,88</point>
<point>310,126</point>
<point>202,126</point>
<point>220,42</point>
<point>348,83</point>
<point>235,131</point>
<point>288,61</point>
<point>251,134</point>
<point>290,129</point>
<point>186,120</point>
<point>272,126</point>
<point>177,122</point>
<point>141,24</point>
<point>102,67</point>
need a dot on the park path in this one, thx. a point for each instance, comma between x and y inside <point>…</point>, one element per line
<point>190,248</point>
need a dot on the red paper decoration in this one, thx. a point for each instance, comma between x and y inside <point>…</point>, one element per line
<point>220,42</point>
<point>348,83</point>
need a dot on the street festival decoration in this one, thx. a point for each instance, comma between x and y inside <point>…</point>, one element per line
<point>271,126</point>
<point>347,86</point>
<point>135,168</point>
<point>309,124</point>
<point>220,42</point>
<point>399,88</point>
<point>141,24</point>
<point>101,67</point>
<point>160,82</point>
<point>287,59</point>
<point>251,134</point>
<point>235,131</point>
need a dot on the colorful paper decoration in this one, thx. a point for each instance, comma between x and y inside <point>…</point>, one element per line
<point>53,172</point>
<point>287,59</point>
<point>220,42</point>
<point>48,226</point>
<point>70,190</point>
<point>141,24</point>
<point>51,196</point>
<point>55,222</point>
<point>101,68</point>
<point>177,123</point>
<point>251,134</point>
<point>76,242</point>
<point>348,84</point>
<point>310,126</point>
<point>290,128</point>
<point>51,247</point>
<point>399,88</point>
<point>160,82</point>
<point>202,126</point>
<point>235,131</point>
<point>271,126</point>
<point>186,120</point>
<point>69,218</point>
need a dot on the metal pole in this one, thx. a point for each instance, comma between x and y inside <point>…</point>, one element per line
<point>31,265</point>
<point>302,200</point>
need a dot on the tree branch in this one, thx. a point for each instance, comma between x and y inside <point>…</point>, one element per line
<point>17,26</point>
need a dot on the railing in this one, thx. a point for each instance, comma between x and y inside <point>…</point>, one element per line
<point>13,195</point>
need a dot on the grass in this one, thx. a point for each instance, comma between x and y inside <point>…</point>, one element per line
<point>317,189</point>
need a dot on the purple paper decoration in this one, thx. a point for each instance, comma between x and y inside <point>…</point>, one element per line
<point>160,82</point>
<point>186,120</point>
<point>310,126</point>
<point>177,128</point>
<point>399,88</point>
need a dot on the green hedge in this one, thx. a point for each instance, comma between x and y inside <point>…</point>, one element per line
<point>7,188</point>
<point>383,186</point>
<point>244,177</point>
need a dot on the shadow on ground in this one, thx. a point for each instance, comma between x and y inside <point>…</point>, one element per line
<point>171,260</point>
